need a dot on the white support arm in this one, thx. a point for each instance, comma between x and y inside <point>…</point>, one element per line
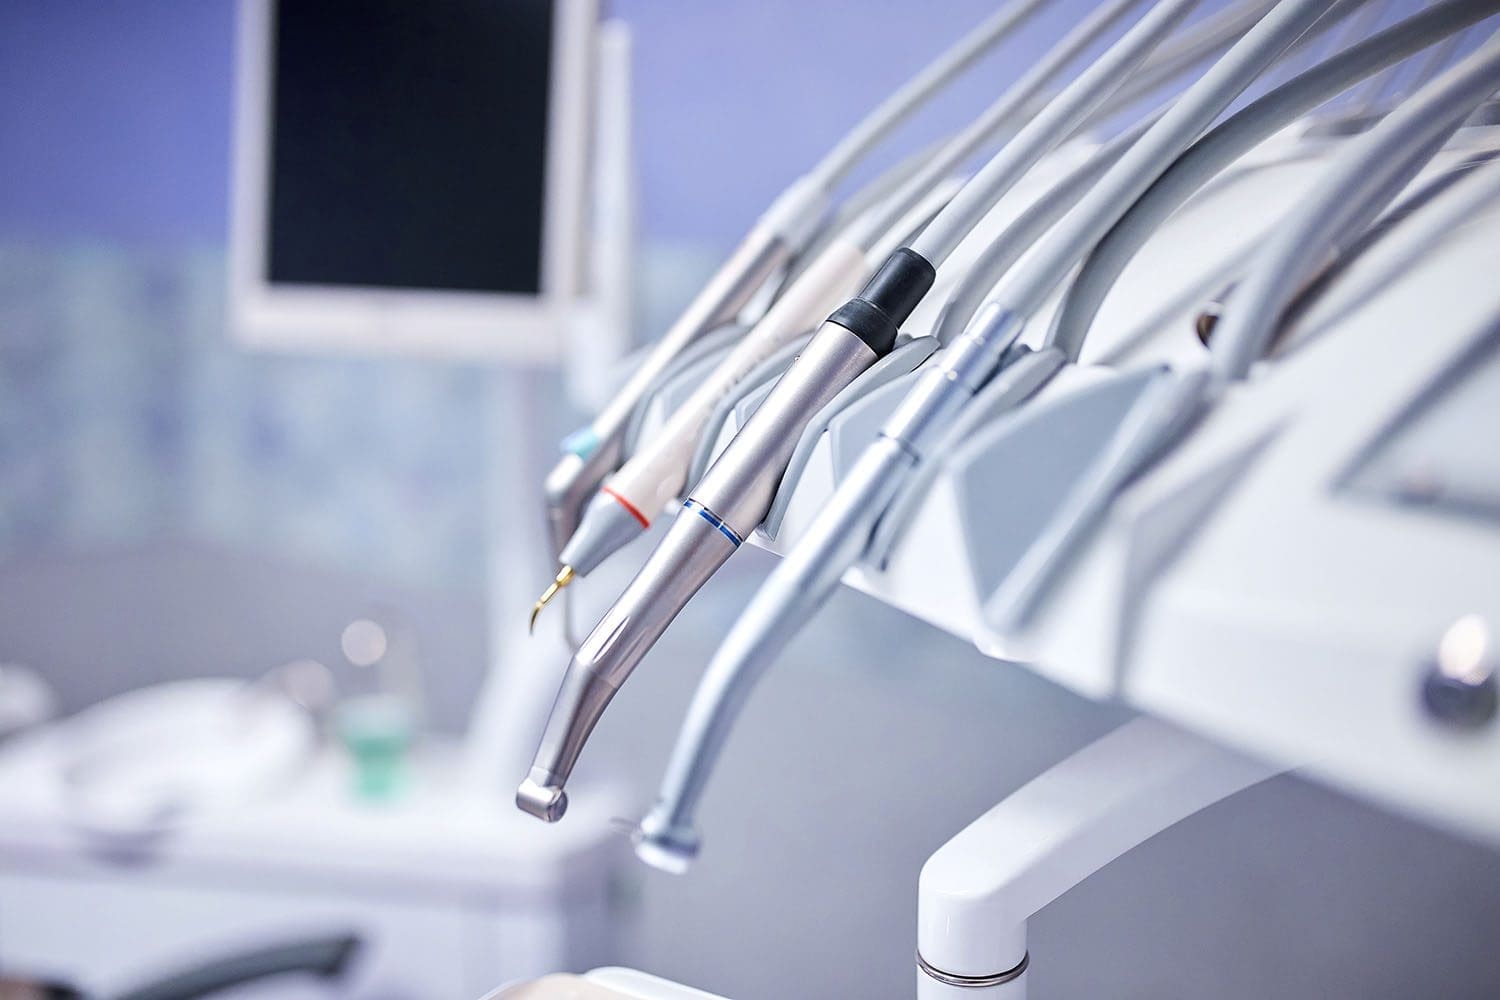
<point>977,892</point>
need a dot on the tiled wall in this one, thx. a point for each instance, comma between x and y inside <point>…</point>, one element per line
<point>126,412</point>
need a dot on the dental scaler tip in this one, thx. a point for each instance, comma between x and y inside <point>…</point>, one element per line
<point>563,578</point>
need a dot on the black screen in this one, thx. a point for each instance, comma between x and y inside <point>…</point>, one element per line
<point>408,143</point>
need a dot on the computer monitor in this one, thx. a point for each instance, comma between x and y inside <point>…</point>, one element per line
<point>411,177</point>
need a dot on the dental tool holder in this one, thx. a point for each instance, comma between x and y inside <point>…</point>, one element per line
<point>1268,583</point>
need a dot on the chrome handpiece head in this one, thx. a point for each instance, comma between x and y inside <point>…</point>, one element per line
<point>664,845</point>
<point>580,702</point>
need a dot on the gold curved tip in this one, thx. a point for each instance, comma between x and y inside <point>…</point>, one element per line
<point>564,577</point>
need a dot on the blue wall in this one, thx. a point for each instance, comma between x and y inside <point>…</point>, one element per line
<point>114,119</point>
<point>114,115</point>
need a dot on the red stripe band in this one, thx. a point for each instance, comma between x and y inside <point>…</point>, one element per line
<point>630,507</point>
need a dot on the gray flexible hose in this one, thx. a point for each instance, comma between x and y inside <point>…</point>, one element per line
<point>860,201</point>
<point>1027,228</point>
<point>1236,136</point>
<point>860,140</point>
<point>1039,217</point>
<point>1026,286</point>
<point>1004,114</point>
<point>1361,181</point>
<point>1051,125</point>
<point>1204,39</point>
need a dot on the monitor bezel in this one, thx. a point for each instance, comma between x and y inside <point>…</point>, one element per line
<point>519,328</point>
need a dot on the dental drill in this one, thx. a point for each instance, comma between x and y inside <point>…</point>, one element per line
<point>788,226</point>
<point>838,536</point>
<point>736,492</point>
<point>630,499</point>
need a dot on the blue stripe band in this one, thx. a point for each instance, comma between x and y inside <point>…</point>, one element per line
<point>714,520</point>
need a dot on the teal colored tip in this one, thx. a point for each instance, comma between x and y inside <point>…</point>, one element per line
<point>581,442</point>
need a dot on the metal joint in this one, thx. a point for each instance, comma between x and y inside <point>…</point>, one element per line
<point>975,982</point>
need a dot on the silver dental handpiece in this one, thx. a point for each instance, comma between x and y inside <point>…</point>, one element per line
<point>728,504</point>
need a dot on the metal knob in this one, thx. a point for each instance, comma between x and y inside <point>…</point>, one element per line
<point>1459,687</point>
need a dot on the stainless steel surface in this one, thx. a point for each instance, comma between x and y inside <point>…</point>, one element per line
<point>767,372</point>
<point>1016,382</point>
<point>739,486</point>
<point>738,490</point>
<point>689,554</point>
<point>898,364</point>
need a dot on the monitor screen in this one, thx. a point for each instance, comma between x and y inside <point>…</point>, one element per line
<point>408,144</point>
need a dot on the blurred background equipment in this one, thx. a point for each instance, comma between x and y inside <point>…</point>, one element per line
<point>407,180</point>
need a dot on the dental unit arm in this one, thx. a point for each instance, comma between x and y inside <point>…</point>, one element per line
<point>978,891</point>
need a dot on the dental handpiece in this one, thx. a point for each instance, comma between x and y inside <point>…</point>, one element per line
<point>628,501</point>
<point>787,228</point>
<point>837,538</point>
<point>728,504</point>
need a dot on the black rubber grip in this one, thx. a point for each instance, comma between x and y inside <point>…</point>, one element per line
<point>877,312</point>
